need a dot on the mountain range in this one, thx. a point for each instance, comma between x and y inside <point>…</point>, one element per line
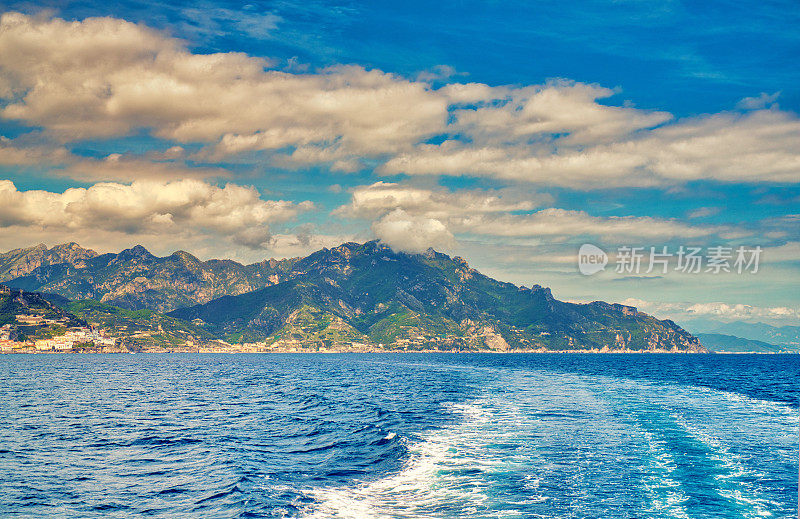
<point>786,337</point>
<point>723,343</point>
<point>353,294</point>
<point>134,279</point>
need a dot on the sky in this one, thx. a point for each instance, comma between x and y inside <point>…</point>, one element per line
<point>508,133</point>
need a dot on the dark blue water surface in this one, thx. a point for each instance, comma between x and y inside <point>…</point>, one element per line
<point>399,435</point>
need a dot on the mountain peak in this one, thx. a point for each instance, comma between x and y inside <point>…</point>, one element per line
<point>406,299</point>
<point>134,278</point>
<point>21,262</point>
<point>416,300</point>
<point>185,256</point>
<point>135,252</point>
<point>72,247</point>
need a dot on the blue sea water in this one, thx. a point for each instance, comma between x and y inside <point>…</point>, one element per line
<point>399,435</point>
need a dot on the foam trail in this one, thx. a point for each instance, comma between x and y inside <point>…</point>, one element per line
<point>554,445</point>
<point>442,472</point>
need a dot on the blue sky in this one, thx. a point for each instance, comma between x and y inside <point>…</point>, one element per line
<point>686,57</point>
<point>508,133</point>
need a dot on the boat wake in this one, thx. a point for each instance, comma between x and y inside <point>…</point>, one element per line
<point>536,444</point>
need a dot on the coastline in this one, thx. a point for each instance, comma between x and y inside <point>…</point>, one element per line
<point>223,347</point>
<point>393,351</point>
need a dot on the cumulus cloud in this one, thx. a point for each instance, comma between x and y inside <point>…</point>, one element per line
<point>106,77</point>
<point>506,213</point>
<point>404,232</point>
<point>534,113</point>
<point>13,154</point>
<point>182,208</point>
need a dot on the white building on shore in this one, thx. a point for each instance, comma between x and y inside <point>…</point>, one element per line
<point>74,337</point>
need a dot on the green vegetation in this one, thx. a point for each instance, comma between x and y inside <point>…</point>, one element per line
<point>311,325</point>
<point>140,327</point>
<point>47,319</point>
<point>354,293</point>
<point>426,301</point>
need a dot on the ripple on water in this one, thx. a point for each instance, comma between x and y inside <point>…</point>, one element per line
<point>396,436</point>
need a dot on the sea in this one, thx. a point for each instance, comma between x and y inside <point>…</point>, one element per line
<point>399,435</point>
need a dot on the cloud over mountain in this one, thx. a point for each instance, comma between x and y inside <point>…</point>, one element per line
<point>410,233</point>
<point>507,213</point>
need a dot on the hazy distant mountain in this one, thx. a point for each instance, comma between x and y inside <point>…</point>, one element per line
<point>367,292</point>
<point>779,335</point>
<point>732,344</point>
<point>134,278</point>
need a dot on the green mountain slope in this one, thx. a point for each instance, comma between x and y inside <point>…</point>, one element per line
<point>33,315</point>
<point>430,300</point>
<point>138,328</point>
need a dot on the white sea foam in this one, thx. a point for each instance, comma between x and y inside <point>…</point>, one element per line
<point>666,496</point>
<point>725,424</point>
<point>735,483</point>
<point>432,477</point>
<point>558,445</point>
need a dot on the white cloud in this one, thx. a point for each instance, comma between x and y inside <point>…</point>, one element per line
<point>179,209</point>
<point>295,245</point>
<point>763,100</point>
<point>788,252</point>
<point>382,197</point>
<point>105,77</point>
<point>702,212</point>
<point>409,233</point>
<point>491,213</point>
<point>717,310</point>
<point>155,166</point>
<point>563,222</point>
<point>212,20</point>
<point>29,150</point>
<point>559,107</point>
<point>438,73</point>
<point>12,154</point>
<point>757,146</point>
